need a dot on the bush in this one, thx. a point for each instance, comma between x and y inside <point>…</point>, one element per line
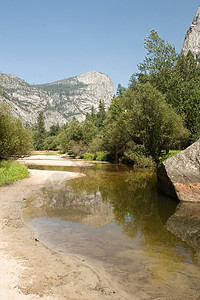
<point>88,156</point>
<point>102,156</point>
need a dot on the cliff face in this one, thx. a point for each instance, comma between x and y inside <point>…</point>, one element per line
<point>192,38</point>
<point>60,100</point>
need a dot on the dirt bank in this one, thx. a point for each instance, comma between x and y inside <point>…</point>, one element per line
<point>29,270</point>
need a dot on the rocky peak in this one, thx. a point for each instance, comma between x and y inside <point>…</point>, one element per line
<point>61,100</point>
<point>192,38</point>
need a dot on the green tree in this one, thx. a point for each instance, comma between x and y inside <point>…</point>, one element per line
<point>51,143</point>
<point>146,125</point>
<point>101,114</point>
<point>54,130</point>
<point>183,93</point>
<point>161,55</point>
<point>177,77</point>
<point>120,89</point>
<point>114,109</point>
<point>159,62</point>
<point>40,133</point>
<point>72,132</point>
<point>15,138</point>
<point>89,131</point>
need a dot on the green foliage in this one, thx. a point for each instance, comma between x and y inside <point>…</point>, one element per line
<point>171,153</point>
<point>40,133</point>
<point>160,110</point>
<point>81,135</point>
<point>161,58</point>
<point>101,115</point>
<point>183,93</point>
<point>72,132</point>
<point>88,156</point>
<point>51,143</point>
<point>145,126</point>
<point>158,125</point>
<point>99,156</point>
<point>114,110</point>
<point>15,138</point>
<point>89,131</point>
<point>11,171</point>
<point>136,155</point>
<point>102,156</point>
<point>177,77</point>
<point>120,89</point>
<point>77,148</point>
<point>54,130</point>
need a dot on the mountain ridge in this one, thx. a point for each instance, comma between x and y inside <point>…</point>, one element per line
<point>60,100</point>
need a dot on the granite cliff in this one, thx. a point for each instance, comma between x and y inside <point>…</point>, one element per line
<point>192,38</point>
<point>61,100</point>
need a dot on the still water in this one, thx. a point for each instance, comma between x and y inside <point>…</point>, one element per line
<point>114,217</point>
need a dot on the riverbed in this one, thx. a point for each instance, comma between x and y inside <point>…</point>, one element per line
<point>114,218</point>
<point>78,230</point>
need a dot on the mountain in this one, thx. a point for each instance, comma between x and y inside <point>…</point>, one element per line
<point>61,100</point>
<point>192,38</point>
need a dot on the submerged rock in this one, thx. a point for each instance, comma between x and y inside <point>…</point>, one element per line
<point>179,176</point>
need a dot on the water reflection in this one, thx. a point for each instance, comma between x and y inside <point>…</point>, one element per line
<point>124,224</point>
<point>185,223</point>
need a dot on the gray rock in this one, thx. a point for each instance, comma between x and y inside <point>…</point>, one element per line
<point>192,38</point>
<point>61,100</point>
<point>179,176</point>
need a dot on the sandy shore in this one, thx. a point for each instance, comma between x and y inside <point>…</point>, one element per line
<point>30,270</point>
<point>53,160</point>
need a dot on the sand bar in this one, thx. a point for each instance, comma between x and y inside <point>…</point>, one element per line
<point>30,270</point>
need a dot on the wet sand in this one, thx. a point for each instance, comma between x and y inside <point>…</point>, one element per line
<point>30,270</point>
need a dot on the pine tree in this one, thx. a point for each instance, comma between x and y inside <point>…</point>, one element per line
<point>40,132</point>
<point>101,115</point>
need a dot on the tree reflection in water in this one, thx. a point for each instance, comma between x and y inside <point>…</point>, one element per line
<point>130,198</point>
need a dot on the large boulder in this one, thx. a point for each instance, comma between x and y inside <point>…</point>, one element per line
<point>179,176</point>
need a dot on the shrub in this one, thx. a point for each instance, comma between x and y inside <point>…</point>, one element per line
<point>102,156</point>
<point>88,156</point>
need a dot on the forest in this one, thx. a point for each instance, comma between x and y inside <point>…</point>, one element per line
<point>158,111</point>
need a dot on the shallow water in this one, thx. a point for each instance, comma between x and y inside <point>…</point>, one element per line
<point>114,217</point>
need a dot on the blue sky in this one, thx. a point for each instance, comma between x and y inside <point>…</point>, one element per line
<point>47,40</point>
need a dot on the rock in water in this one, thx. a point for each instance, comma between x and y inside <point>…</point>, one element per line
<point>179,176</point>
<point>192,38</point>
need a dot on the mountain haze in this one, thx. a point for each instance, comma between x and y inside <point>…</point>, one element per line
<point>61,100</point>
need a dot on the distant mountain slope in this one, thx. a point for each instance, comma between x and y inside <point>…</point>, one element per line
<point>60,100</point>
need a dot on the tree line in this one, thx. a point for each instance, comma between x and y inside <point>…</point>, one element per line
<point>159,110</point>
